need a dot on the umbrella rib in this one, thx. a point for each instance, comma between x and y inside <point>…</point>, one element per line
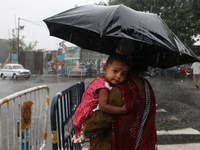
<point>113,11</point>
<point>83,15</point>
<point>70,37</point>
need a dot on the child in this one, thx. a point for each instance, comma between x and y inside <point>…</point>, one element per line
<point>96,95</point>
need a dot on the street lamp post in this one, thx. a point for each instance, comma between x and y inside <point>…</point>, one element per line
<point>19,28</point>
<point>18,40</point>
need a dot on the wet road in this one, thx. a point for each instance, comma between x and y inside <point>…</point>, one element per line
<point>181,102</point>
<point>176,96</point>
<point>55,83</point>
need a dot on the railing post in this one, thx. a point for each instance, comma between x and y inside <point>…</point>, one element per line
<point>62,110</point>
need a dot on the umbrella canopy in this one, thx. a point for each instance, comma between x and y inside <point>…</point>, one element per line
<point>107,28</point>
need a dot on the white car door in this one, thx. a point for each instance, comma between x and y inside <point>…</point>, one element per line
<point>5,70</point>
<point>10,73</point>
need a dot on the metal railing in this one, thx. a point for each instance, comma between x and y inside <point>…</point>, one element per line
<point>23,119</point>
<point>63,107</point>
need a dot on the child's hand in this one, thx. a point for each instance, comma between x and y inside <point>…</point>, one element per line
<point>124,110</point>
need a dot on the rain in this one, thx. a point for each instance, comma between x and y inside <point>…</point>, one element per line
<point>169,72</point>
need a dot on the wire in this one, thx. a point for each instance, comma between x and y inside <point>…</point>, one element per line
<point>34,22</point>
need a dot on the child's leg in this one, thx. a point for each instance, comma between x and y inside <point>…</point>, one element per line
<point>95,141</point>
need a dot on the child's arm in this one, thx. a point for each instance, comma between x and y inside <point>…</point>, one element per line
<point>107,108</point>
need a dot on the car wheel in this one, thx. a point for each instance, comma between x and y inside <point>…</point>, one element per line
<point>15,77</point>
<point>2,76</point>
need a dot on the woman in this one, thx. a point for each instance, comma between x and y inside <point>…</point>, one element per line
<point>137,129</point>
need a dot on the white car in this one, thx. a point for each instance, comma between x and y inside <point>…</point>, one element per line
<point>14,71</point>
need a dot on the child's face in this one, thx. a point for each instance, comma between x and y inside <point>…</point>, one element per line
<point>116,72</point>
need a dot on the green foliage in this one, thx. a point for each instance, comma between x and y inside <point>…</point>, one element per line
<point>7,46</point>
<point>181,16</point>
<point>4,49</point>
<point>22,45</point>
<point>101,3</point>
<point>41,50</point>
<point>30,47</point>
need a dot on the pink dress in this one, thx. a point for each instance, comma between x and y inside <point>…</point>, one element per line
<point>88,103</point>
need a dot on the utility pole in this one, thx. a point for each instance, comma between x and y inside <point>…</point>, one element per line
<point>19,28</point>
<point>18,40</point>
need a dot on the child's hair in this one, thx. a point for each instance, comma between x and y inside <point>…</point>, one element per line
<point>118,57</point>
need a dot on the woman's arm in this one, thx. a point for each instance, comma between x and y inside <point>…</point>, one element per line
<point>107,108</point>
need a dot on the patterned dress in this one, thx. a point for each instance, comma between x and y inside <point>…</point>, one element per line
<point>88,103</point>
<point>131,132</point>
<point>100,122</point>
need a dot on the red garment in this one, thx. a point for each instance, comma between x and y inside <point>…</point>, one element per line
<point>125,128</point>
<point>88,103</point>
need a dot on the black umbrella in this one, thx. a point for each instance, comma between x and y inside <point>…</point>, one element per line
<point>107,28</point>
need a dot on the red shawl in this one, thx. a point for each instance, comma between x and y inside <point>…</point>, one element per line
<point>125,128</point>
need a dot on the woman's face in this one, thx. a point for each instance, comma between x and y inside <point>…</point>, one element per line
<point>116,72</point>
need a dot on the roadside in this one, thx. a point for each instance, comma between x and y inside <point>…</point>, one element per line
<point>193,146</point>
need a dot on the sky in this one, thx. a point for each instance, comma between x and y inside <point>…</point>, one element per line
<point>31,14</point>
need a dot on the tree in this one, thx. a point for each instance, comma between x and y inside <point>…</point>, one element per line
<point>30,47</point>
<point>22,46</point>
<point>41,50</point>
<point>181,16</point>
<point>101,3</point>
<point>5,48</point>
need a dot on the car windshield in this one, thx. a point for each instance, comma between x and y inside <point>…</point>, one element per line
<point>18,67</point>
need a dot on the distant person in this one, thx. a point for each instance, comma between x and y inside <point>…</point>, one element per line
<point>89,70</point>
<point>95,97</point>
<point>196,73</point>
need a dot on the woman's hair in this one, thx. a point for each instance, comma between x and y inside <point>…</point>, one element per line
<point>119,58</point>
<point>139,61</point>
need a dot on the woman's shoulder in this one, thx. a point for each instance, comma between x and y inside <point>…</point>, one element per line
<point>128,82</point>
<point>145,80</point>
<point>149,84</point>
